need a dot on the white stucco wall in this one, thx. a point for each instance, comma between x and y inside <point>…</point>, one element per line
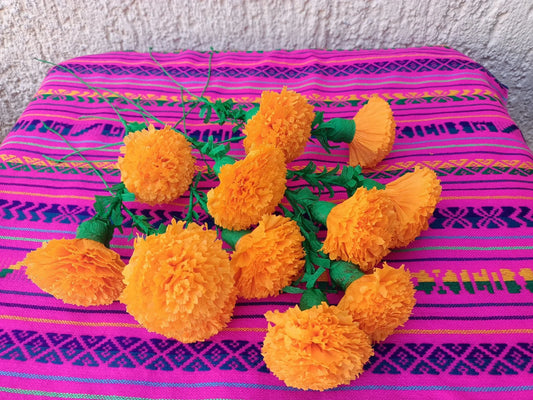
<point>495,33</point>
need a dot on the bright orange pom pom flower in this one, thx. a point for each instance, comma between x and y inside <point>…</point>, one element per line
<point>248,189</point>
<point>180,283</point>
<point>157,166</point>
<point>414,196</point>
<point>78,271</point>
<point>381,301</point>
<point>375,131</point>
<point>361,228</point>
<point>318,348</point>
<point>269,258</point>
<point>283,120</point>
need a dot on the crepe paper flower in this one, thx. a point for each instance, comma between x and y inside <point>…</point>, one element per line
<point>80,271</point>
<point>158,165</point>
<point>414,196</point>
<point>360,229</point>
<point>180,283</point>
<point>318,348</point>
<point>248,189</point>
<point>374,133</point>
<point>380,302</point>
<point>283,120</point>
<point>268,258</point>
<point>370,133</point>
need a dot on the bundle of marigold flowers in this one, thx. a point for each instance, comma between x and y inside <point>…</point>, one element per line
<point>180,281</point>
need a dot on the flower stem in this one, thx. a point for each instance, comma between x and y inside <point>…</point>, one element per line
<point>343,273</point>
<point>337,130</point>
<point>232,237</point>
<point>96,229</point>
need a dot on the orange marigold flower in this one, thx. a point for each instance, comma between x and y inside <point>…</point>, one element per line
<point>248,189</point>
<point>283,120</point>
<point>361,228</point>
<point>381,301</point>
<point>375,131</point>
<point>78,271</point>
<point>180,283</point>
<point>269,258</point>
<point>318,348</point>
<point>157,166</point>
<point>414,196</point>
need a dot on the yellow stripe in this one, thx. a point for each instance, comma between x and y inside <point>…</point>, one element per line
<point>12,158</point>
<point>245,329</point>
<point>247,99</point>
<point>398,331</point>
<point>104,324</point>
<point>51,115</point>
<point>461,331</point>
<point>485,197</point>
<point>272,61</point>
<point>63,322</point>
<point>55,196</point>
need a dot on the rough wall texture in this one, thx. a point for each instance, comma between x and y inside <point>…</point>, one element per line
<point>495,33</point>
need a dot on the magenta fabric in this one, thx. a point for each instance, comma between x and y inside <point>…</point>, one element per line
<point>470,335</point>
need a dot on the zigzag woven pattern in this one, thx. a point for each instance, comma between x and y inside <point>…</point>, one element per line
<point>470,334</point>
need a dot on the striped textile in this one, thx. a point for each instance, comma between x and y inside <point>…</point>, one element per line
<point>470,335</point>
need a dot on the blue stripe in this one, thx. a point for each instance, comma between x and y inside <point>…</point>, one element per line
<point>309,77</point>
<point>26,293</point>
<point>225,91</point>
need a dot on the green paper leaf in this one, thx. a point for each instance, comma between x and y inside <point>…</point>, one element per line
<point>370,183</point>
<point>293,290</point>
<point>311,279</point>
<point>161,229</point>
<point>127,195</point>
<point>135,126</point>
<point>116,217</point>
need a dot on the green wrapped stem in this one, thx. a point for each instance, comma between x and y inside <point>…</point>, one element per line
<point>312,297</point>
<point>96,229</point>
<point>232,237</point>
<point>340,130</point>
<point>320,211</point>
<point>343,273</point>
<point>220,162</point>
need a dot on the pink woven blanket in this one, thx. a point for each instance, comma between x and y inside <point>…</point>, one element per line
<point>470,335</point>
